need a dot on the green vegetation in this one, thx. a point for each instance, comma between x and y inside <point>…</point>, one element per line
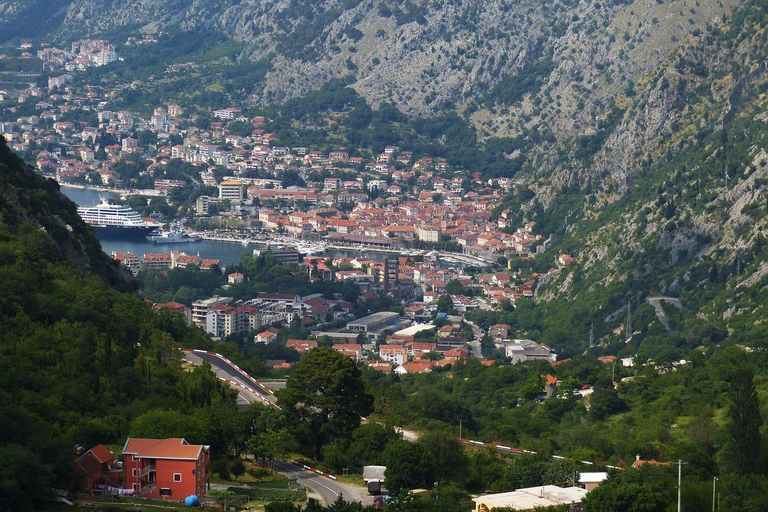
<point>82,363</point>
<point>325,398</point>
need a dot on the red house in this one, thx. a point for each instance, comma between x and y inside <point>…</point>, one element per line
<point>166,468</point>
<point>94,467</point>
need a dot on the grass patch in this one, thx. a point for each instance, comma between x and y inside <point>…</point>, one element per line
<point>270,494</point>
<point>273,484</point>
<point>108,504</point>
<point>352,479</point>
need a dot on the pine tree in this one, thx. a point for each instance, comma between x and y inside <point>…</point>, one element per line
<point>744,430</point>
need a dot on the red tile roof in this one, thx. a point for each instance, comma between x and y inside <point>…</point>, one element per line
<point>173,448</point>
<point>102,453</point>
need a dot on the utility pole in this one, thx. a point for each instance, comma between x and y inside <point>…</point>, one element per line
<point>628,334</point>
<point>714,485</point>
<point>459,429</point>
<point>592,335</point>
<point>679,464</point>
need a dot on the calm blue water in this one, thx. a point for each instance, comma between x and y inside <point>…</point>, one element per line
<point>226,252</point>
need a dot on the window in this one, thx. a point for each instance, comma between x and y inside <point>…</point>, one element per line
<point>165,491</point>
<point>134,458</point>
<point>177,477</point>
<point>134,472</point>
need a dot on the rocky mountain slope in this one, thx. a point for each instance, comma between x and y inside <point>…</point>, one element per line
<point>464,53</point>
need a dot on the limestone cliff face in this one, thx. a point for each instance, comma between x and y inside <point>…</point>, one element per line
<point>429,57</point>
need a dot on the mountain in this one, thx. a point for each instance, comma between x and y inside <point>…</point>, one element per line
<point>484,56</point>
<point>641,122</point>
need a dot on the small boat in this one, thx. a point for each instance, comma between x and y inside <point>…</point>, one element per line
<point>173,237</point>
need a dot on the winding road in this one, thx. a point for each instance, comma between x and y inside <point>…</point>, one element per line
<point>656,303</point>
<point>248,389</point>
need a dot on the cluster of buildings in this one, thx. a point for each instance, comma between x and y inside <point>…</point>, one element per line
<point>163,261</point>
<point>223,316</point>
<point>387,342</point>
<point>81,55</point>
<point>400,197</point>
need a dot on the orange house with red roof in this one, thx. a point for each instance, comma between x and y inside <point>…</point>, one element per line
<point>169,469</point>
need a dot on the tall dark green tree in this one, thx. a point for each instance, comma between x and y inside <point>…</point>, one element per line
<point>744,430</point>
<point>409,466</point>
<point>325,398</point>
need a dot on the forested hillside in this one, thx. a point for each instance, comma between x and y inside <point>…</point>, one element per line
<point>80,360</point>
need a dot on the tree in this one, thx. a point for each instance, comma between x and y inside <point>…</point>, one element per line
<point>451,461</point>
<point>237,468</point>
<point>281,506</point>
<point>325,397</point>
<point>648,489</point>
<point>368,444</point>
<point>445,304</point>
<point>744,429</point>
<point>605,402</point>
<point>159,424</point>
<point>455,287</point>
<point>533,387</point>
<point>409,466</point>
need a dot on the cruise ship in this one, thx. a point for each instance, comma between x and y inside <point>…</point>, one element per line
<point>115,220</point>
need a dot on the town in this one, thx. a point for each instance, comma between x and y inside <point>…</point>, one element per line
<point>387,306</point>
<point>394,202</point>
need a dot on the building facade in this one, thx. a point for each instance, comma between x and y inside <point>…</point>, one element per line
<point>169,469</point>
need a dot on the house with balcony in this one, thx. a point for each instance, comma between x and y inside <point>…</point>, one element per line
<point>170,469</point>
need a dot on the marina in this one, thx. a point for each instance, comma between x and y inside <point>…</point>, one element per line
<point>228,245</point>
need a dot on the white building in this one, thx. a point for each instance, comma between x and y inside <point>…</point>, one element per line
<point>397,354</point>
<point>523,351</point>
<point>232,190</point>
<point>541,497</point>
<point>428,233</point>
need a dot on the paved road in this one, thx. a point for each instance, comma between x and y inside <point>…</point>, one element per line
<point>475,344</point>
<point>328,490</point>
<point>656,303</point>
<point>248,390</point>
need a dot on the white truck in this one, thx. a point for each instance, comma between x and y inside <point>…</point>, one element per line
<point>374,477</point>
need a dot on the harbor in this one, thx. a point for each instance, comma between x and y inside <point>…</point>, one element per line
<point>228,246</point>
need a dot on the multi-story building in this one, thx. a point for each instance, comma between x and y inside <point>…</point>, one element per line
<point>169,469</point>
<point>428,234</point>
<point>232,190</point>
<point>522,351</point>
<point>397,354</point>
<point>283,254</point>
<point>201,307</point>
<point>225,320</point>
